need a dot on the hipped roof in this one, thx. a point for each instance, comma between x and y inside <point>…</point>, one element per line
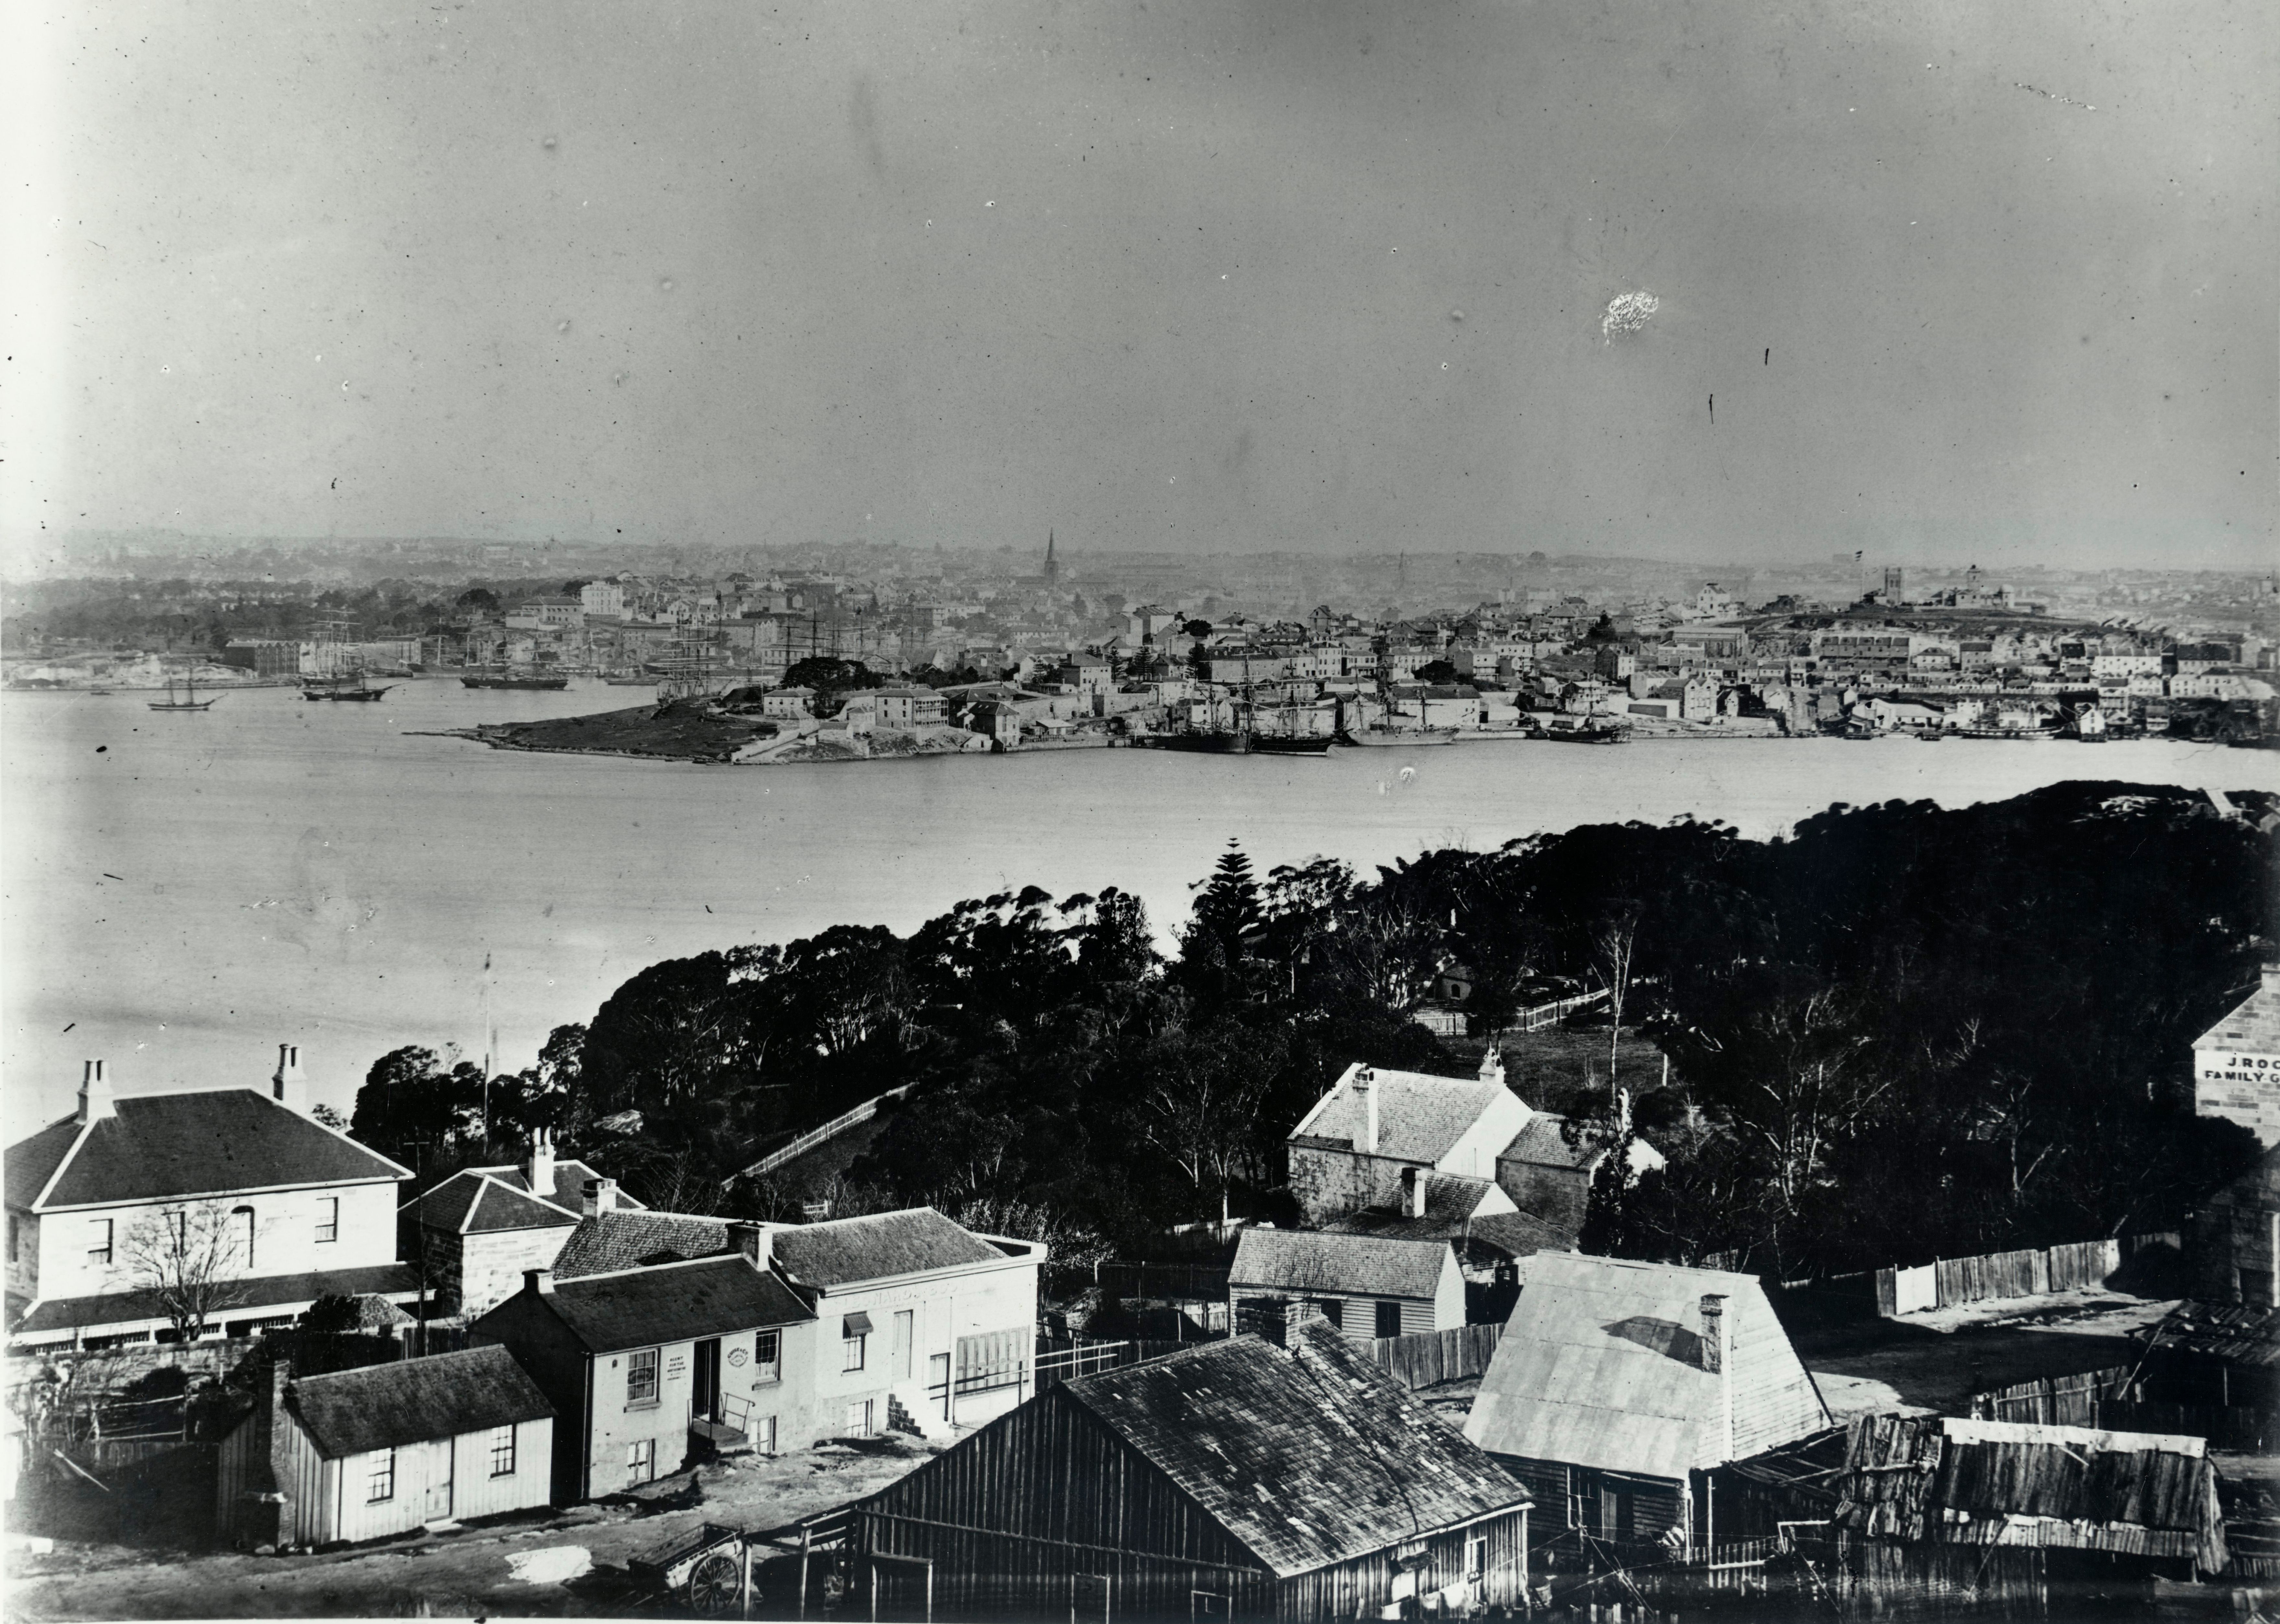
<point>168,1147</point>
<point>1601,1365</point>
<point>672,1302</point>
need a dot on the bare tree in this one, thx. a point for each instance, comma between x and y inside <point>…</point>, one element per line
<point>192,1257</point>
<point>1612,945</point>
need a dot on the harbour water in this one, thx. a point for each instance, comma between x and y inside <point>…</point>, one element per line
<point>185,891</point>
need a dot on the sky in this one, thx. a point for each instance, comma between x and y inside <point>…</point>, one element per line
<point>1960,281</point>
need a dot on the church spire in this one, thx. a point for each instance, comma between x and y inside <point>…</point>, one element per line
<point>1052,567</point>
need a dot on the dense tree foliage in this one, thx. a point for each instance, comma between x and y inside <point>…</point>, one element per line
<point>1896,1031</point>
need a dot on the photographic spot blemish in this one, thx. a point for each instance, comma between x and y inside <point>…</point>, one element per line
<point>101,748</point>
<point>562,327</point>
<point>664,284</point>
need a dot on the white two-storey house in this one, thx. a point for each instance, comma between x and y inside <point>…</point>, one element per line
<point>301,1209</point>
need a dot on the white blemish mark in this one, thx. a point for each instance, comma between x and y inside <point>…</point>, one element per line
<point>1627,313</point>
<point>555,1565</point>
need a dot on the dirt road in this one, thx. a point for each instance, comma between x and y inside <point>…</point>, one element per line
<point>548,1564</point>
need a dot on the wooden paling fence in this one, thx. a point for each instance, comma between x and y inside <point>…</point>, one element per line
<point>2035,1271</point>
<point>1431,1357</point>
<point>1173,1282</point>
<point>2053,1401</point>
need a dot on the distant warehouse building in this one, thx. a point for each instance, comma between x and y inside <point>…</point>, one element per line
<point>264,656</point>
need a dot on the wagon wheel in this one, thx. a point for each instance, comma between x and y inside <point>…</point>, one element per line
<point>714,1585</point>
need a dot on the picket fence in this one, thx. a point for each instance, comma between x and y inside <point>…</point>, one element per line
<point>2036,1270</point>
<point>1429,1357</point>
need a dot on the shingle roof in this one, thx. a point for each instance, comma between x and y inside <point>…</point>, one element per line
<point>1544,1144</point>
<point>270,1292</point>
<point>1523,1234</point>
<point>1349,1264</point>
<point>415,1400</point>
<point>1308,1460</point>
<point>846,1250</point>
<point>168,1146</point>
<point>1601,1366</point>
<point>1420,1116</point>
<point>609,1242</point>
<point>671,1303</point>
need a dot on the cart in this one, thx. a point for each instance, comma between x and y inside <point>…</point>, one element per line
<point>705,1570</point>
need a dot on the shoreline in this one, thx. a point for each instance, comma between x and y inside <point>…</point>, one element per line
<point>481,733</point>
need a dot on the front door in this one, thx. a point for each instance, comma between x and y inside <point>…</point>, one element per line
<point>938,1381</point>
<point>439,1481</point>
<point>704,1383</point>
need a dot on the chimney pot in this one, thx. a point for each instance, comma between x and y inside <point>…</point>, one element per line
<point>94,1098</point>
<point>601,1196</point>
<point>539,1171</point>
<point>1366,1085</point>
<point>286,1086</point>
<point>1413,1191</point>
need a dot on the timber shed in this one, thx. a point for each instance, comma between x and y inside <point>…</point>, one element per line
<point>1935,1480</point>
<point>1619,1386</point>
<point>1237,1480</point>
<point>360,1454</point>
<point>1366,1285</point>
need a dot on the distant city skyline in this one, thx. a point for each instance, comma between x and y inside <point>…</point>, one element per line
<point>1988,286</point>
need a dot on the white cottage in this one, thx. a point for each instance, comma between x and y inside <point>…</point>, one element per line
<point>363,1454</point>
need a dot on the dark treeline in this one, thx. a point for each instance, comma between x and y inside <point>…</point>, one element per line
<point>1898,1032</point>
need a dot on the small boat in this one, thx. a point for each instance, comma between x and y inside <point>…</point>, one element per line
<point>1289,744</point>
<point>188,701</point>
<point>98,691</point>
<point>633,681</point>
<point>1587,736</point>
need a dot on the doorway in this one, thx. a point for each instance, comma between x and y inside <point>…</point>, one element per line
<point>704,1384</point>
<point>898,1348</point>
<point>438,1508</point>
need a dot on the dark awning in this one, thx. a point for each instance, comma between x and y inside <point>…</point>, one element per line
<point>857,1324</point>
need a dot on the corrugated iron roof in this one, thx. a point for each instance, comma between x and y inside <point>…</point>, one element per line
<point>1309,1459</point>
<point>1601,1365</point>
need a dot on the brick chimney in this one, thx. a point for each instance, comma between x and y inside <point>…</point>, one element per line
<point>1493,1067</point>
<point>94,1101</point>
<point>540,1168</point>
<point>601,1196</point>
<point>286,1086</point>
<point>753,1241</point>
<point>1296,1312</point>
<point>1413,1181</point>
<point>1718,1359</point>
<point>1365,1084</point>
<point>541,1281</point>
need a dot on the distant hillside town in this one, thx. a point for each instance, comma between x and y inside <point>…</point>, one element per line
<point>1008,650</point>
